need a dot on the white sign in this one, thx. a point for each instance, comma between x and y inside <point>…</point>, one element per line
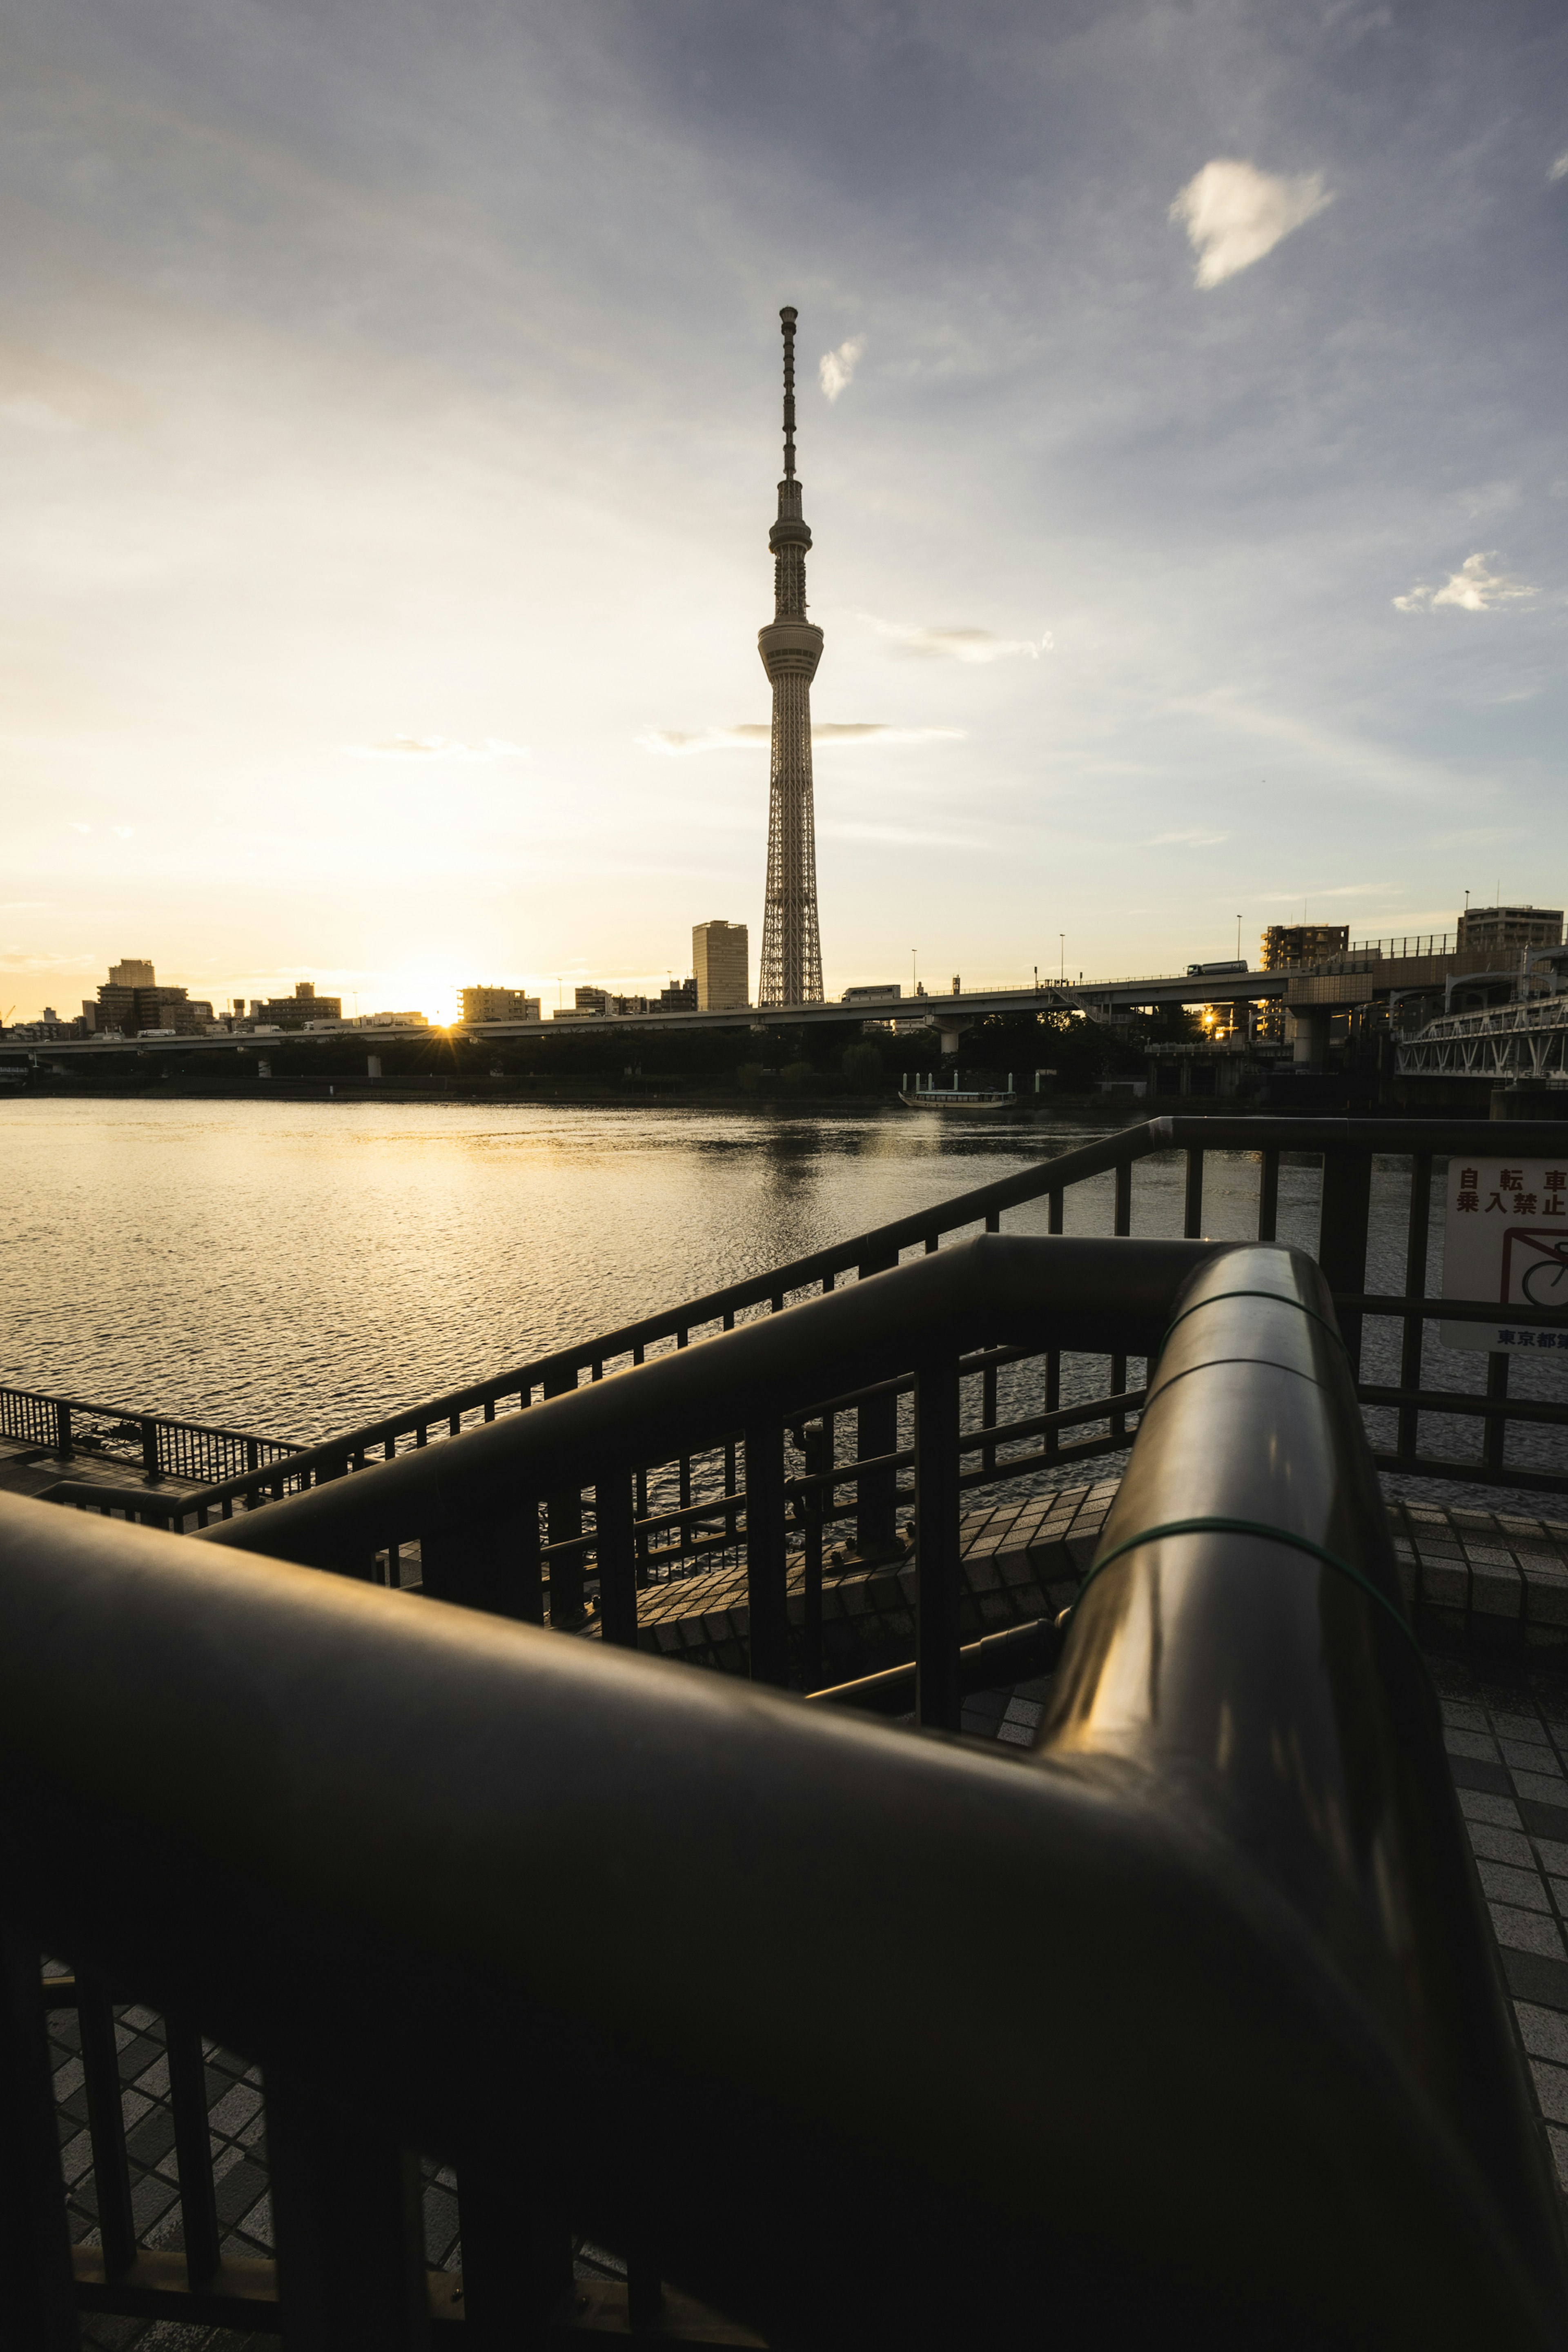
<point>1507,1239</point>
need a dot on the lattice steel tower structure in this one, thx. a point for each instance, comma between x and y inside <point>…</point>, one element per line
<point>791,647</point>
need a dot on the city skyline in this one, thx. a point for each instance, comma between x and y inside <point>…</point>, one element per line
<point>380,419</point>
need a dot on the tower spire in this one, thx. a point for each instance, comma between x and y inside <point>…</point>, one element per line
<point>791,647</point>
<point>787,318</point>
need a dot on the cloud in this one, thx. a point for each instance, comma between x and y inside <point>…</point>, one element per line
<point>958,644</point>
<point>30,414</point>
<point>1560,168</point>
<point>1234,214</point>
<point>837,368</point>
<point>435,747</point>
<point>752,736</point>
<point>1346,890</point>
<point>1192,839</point>
<point>124,831</point>
<point>79,828</point>
<point>1471,589</point>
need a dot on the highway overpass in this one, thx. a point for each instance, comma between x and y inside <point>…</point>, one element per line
<point>951,1014</point>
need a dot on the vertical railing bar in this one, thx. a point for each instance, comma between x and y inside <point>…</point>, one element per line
<point>1121,1224</point>
<point>40,2299</point>
<point>766,1594</point>
<point>193,2147</point>
<point>1267,1196</point>
<point>1412,1348</point>
<point>1053,1398</point>
<point>1054,1199</point>
<point>106,2123</point>
<point>1192,1208</point>
<point>937,1693</point>
<point>616,1550</point>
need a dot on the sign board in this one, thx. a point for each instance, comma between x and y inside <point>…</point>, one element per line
<point>1506,1239</point>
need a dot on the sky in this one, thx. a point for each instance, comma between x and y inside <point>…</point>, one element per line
<point>389,403</point>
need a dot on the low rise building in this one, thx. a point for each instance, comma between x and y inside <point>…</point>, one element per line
<point>681,996</point>
<point>1287,947</point>
<point>294,1011</point>
<point>1504,930</point>
<point>132,1003</point>
<point>488,1004</point>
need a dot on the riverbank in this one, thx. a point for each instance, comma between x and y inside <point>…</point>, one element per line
<point>565,1093</point>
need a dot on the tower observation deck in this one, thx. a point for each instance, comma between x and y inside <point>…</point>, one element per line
<point>791,647</point>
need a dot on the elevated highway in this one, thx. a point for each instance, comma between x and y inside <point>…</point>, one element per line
<point>951,1014</point>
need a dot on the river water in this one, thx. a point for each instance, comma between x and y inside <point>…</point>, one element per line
<point>297,1268</point>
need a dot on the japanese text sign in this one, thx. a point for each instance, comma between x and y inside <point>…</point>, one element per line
<point>1506,1240</point>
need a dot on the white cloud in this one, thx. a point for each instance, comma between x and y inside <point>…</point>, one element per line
<point>435,747</point>
<point>124,831</point>
<point>1473,589</point>
<point>30,414</point>
<point>1560,168</point>
<point>837,368</point>
<point>79,828</point>
<point>1192,839</point>
<point>753,735</point>
<point>1234,214</point>
<point>958,644</point>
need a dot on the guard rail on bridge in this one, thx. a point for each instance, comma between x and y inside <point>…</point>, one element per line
<point>865,2039</point>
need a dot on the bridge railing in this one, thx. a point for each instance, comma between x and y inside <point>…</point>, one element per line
<point>728,1985</point>
<point>684,1508</point>
<point>161,1447</point>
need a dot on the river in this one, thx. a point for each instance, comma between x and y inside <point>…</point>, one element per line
<point>297,1268</point>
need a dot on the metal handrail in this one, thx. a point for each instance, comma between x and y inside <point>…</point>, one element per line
<point>881,1246</point>
<point>1257,2087</point>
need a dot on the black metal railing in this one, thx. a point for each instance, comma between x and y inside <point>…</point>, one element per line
<point>686,1511</point>
<point>1183,2026</point>
<point>159,1446</point>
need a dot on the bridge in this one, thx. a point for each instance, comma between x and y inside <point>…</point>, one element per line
<point>951,1014</point>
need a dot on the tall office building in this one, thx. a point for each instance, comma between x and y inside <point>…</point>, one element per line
<point>791,647</point>
<point>719,962</point>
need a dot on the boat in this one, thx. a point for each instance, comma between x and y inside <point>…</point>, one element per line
<point>958,1099</point>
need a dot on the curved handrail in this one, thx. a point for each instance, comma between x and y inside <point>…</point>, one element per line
<point>1182,2028</point>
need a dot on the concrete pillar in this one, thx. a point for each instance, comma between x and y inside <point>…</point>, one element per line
<point>372,1065</point>
<point>1309,1032</point>
<point>950,1031</point>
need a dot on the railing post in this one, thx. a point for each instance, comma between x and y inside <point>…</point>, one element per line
<point>62,1428</point>
<point>346,2211</point>
<point>1192,1207</point>
<point>193,2147</point>
<point>1413,1343</point>
<point>106,2124</point>
<point>766,1594</point>
<point>562,1520</point>
<point>615,1544</point>
<point>1267,1196</point>
<point>1342,1235</point>
<point>876,1432</point>
<point>937,1695</point>
<point>150,1450</point>
<point>819,1452</point>
<point>40,2301</point>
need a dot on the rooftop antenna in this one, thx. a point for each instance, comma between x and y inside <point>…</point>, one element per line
<point>786,321</point>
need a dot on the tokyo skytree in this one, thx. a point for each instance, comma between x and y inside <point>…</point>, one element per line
<point>791,647</point>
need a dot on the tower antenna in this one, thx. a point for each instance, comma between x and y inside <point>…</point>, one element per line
<point>791,647</point>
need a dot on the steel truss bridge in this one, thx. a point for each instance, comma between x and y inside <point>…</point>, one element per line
<point>1508,1041</point>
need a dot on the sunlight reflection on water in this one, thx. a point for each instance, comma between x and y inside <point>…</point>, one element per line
<point>297,1268</point>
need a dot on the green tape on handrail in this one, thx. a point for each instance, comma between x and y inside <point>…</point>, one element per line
<point>1225,1527</point>
<point>1334,1333</point>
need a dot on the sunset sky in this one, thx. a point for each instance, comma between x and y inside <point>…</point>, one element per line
<point>388,432</point>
